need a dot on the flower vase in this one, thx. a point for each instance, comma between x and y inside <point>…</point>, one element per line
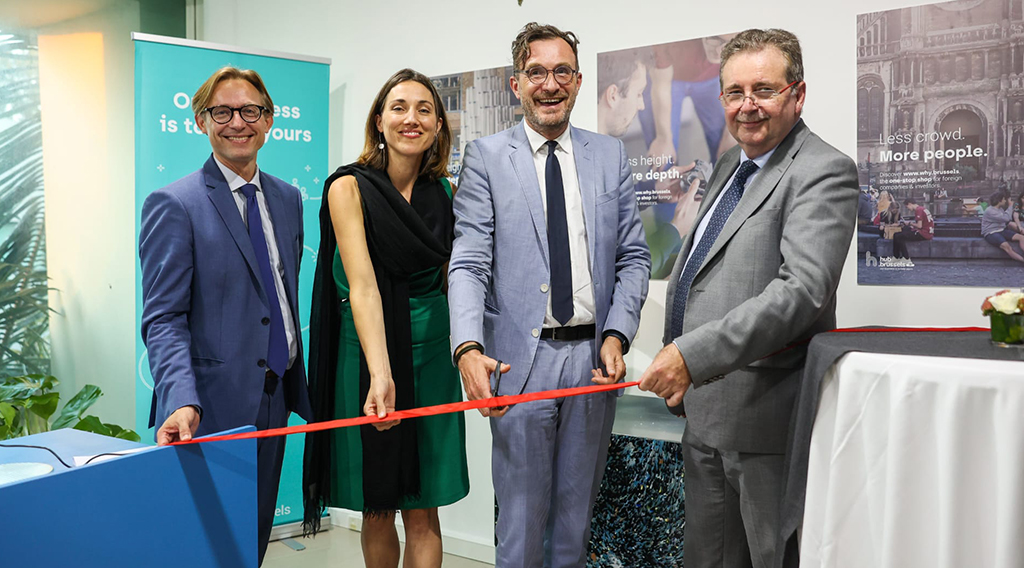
<point>1007,329</point>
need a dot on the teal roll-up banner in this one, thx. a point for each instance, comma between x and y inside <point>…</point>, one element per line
<point>168,146</point>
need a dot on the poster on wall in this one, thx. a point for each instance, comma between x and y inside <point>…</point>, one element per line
<point>662,102</point>
<point>940,144</point>
<point>478,104</point>
<point>169,146</point>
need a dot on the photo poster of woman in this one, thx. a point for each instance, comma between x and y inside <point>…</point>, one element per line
<point>478,103</point>
<point>662,102</point>
<point>940,130</point>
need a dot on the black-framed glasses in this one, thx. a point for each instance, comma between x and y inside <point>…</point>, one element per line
<point>222,114</point>
<point>734,99</point>
<point>537,74</point>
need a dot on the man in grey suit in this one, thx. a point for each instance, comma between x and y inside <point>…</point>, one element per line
<point>548,273</point>
<point>756,278</point>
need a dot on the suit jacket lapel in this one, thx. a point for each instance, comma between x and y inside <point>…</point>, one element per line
<point>716,185</point>
<point>763,185</point>
<point>283,232</point>
<point>521,156</point>
<point>220,194</point>
<point>588,187</point>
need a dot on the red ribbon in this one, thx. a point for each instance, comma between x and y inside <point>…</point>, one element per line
<point>415,413</point>
<point>499,401</point>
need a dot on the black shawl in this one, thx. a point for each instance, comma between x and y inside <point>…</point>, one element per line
<point>403,239</point>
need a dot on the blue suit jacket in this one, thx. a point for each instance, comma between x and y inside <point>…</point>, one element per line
<point>204,302</point>
<point>500,256</point>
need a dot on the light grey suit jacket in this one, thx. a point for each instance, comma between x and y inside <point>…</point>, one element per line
<point>767,284</point>
<point>500,257</point>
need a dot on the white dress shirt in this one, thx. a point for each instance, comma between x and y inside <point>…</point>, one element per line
<point>579,253</point>
<point>703,225</point>
<point>235,183</point>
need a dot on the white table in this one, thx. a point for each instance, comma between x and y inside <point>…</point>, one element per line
<point>916,462</point>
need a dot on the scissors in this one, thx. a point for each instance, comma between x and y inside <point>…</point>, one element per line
<point>497,383</point>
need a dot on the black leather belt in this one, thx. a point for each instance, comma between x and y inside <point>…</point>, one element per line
<point>270,384</point>
<point>573,333</point>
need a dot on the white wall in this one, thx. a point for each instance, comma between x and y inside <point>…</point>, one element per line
<point>89,176</point>
<point>368,41</point>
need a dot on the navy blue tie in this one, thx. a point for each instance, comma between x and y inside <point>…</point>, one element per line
<point>707,240</point>
<point>558,239</point>
<point>277,350</point>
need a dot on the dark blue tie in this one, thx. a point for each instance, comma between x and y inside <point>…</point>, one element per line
<point>707,240</point>
<point>277,350</point>
<point>558,239</point>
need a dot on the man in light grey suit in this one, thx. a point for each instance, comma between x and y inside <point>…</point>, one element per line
<point>757,277</point>
<point>548,273</point>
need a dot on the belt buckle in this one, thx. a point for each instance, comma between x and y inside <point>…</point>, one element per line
<point>557,333</point>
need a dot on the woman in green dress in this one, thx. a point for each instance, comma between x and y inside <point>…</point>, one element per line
<point>379,332</point>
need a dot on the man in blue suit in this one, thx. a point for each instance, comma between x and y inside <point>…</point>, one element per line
<point>220,252</point>
<point>548,273</point>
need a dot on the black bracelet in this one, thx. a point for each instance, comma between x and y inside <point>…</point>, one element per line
<point>466,349</point>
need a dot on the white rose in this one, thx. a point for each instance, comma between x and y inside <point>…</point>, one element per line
<point>1006,303</point>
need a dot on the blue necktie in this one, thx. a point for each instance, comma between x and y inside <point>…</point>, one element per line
<point>707,240</point>
<point>558,239</point>
<point>277,350</point>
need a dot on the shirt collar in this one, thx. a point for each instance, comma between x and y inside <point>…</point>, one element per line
<point>235,181</point>
<point>760,160</point>
<point>537,140</point>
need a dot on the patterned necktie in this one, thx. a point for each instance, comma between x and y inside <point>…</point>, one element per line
<point>707,240</point>
<point>277,350</point>
<point>558,239</point>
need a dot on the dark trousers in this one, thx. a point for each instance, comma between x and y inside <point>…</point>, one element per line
<point>899,243</point>
<point>269,457</point>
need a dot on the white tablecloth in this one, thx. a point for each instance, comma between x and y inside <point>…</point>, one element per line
<point>917,462</point>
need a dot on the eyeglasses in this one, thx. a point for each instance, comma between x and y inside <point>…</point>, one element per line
<point>734,99</point>
<point>537,74</point>
<point>223,114</point>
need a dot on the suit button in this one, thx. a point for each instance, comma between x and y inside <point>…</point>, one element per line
<point>261,363</point>
<point>535,332</point>
<point>544,288</point>
<point>265,321</point>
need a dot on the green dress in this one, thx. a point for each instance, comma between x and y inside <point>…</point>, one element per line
<point>444,475</point>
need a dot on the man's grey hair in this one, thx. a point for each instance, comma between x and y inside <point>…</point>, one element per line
<point>754,40</point>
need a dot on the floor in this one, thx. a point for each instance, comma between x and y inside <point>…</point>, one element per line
<point>337,548</point>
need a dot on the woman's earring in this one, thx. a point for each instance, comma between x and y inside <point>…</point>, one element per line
<point>380,145</point>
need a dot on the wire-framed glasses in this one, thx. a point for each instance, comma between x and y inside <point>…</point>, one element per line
<point>537,74</point>
<point>734,99</point>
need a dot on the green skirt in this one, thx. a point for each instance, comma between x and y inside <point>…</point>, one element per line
<point>444,475</point>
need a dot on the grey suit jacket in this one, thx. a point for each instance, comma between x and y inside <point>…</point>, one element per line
<point>499,269</point>
<point>767,284</point>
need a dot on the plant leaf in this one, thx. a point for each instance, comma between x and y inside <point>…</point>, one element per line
<point>7,413</point>
<point>72,411</point>
<point>43,405</point>
<point>92,424</point>
<point>17,388</point>
<point>128,435</point>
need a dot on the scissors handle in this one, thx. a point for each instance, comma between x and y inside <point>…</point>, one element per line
<point>497,382</point>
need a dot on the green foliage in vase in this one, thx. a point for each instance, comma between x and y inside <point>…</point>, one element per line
<point>28,405</point>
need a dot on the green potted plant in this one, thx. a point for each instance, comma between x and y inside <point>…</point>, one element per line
<point>1005,310</point>
<point>28,403</point>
